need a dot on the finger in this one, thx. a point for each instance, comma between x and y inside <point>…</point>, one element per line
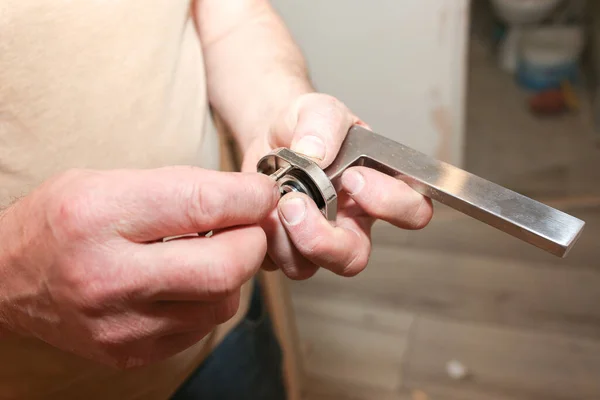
<point>169,345</point>
<point>185,316</point>
<point>384,197</point>
<point>200,269</point>
<point>315,127</point>
<point>282,252</point>
<point>268,264</point>
<point>181,200</point>
<point>154,319</point>
<point>343,249</point>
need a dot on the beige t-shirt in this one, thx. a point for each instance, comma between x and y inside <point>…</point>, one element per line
<point>98,84</point>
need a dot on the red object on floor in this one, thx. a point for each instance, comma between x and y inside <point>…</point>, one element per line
<point>549,102</point>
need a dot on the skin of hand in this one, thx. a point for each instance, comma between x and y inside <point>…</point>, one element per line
<point>84,266</point>
<point>300,239</point>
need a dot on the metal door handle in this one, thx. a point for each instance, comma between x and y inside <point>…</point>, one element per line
<point>524,218</point>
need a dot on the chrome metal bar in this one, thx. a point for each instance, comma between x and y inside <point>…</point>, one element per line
<point>524,218</point>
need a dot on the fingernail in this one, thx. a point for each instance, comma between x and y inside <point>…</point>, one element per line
<point>293,210</point>
<point>311,146</point>
<point>353,182</point>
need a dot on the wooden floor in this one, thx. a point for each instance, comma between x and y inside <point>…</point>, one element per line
<point>520,323</point>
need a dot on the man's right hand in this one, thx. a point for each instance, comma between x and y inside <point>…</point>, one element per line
<point>83,264</point>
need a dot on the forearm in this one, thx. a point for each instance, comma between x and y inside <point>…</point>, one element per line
<point>254,68</point>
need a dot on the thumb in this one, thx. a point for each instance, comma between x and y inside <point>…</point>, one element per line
<point>315,126</point>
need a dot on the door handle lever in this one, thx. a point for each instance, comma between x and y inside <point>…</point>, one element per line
<point>524,218</point>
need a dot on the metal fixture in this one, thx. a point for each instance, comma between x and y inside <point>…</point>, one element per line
<point>526,219</point>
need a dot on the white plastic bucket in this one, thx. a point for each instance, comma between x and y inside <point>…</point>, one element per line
<point>524,11</point>
<point>549,55</point>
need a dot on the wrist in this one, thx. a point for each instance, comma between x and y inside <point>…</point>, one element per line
<point>7,260</point>
<point>19,247</point>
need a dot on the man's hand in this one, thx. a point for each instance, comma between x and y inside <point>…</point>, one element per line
<point>300,239</point>
<point>83,264</point>
<point>256,72</point>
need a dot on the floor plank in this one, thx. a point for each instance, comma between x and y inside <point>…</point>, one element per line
<point>355,310</point>
<point>509,362</point>
<point>328,389</point>
<point>471,288</point>
<point>349,352</point>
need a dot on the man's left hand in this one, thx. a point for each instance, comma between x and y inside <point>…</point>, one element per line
<point>300,239</point>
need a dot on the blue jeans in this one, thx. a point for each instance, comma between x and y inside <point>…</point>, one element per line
<point>246,365</point>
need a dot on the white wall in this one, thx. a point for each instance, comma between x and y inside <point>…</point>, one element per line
<point>399,64</point>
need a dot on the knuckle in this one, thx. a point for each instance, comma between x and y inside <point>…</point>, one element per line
<point>329,108</point>
<point>222,280</point>
<point>420,223</point>
<point>300,272</point>
<point>110,337</point>
<point>313,246</point>
<point>421,216</point>
<point>201,206</point>
<point>120,345</point>
<point>356,264</point>
<point>80,287</point>
<point>329,101</point>
<point>337,110</point>
<point>359,257</point>
<point>233,268</point>
<point>69,213</point>
<point>67,217</point>
<point>123,344</point>
<point>83,293</point>
<point>72,286</point>
<point>263,194</point>
<point>92,297</point>
<point>225,310</point>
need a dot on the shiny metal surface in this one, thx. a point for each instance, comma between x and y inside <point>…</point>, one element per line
<point>295,173</point>
<point>524,218</point>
